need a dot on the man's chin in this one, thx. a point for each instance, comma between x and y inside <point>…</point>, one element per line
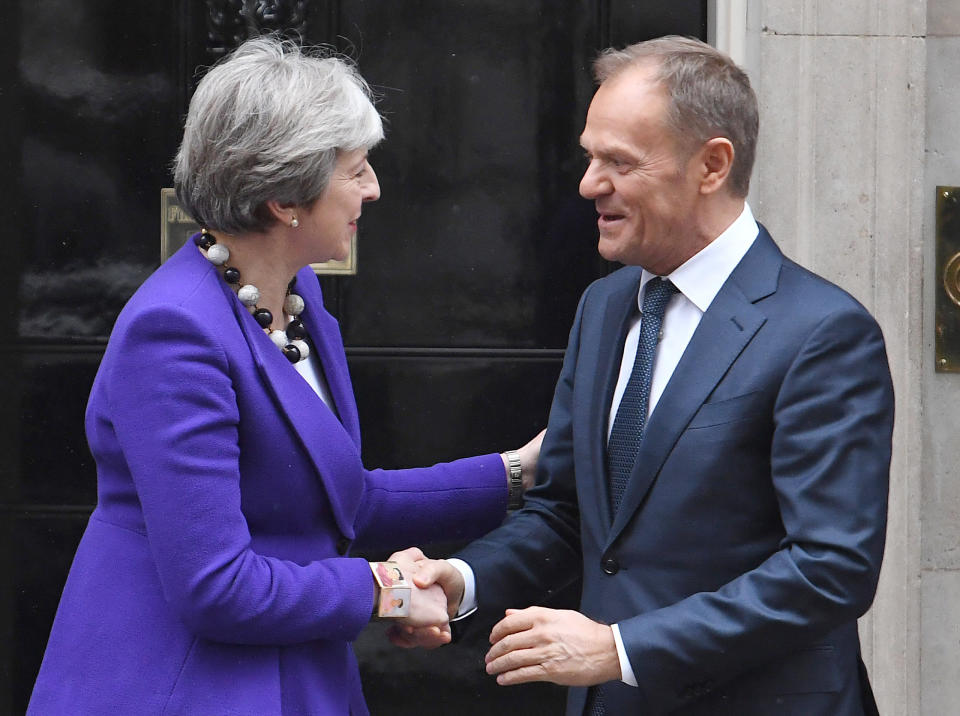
<point>609,249</point>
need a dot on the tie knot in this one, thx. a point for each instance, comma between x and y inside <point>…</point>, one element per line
<point>656,296</point>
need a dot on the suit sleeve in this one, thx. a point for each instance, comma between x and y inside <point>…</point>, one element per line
<point>537,549</point>
<point>457,500</point>
<point>830,457</point>
<point>175,416</point>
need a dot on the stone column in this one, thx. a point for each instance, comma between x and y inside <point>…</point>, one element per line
<point>940,395</point>
<point>840,184</point>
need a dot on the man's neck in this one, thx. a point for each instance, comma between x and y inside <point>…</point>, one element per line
<point>717,216</point>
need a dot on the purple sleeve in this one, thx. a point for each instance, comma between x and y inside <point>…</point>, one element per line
<point>449,501</point>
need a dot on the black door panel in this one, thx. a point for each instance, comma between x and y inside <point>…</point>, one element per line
<point>470,265</point>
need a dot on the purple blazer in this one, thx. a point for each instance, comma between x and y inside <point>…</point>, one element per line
<point>214,576</point>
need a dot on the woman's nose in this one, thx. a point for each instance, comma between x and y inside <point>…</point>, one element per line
<point>371,190</point>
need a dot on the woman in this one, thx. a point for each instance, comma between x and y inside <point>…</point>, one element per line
<point>214,576</point>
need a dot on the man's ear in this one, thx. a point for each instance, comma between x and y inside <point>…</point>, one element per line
<point>714,161</point>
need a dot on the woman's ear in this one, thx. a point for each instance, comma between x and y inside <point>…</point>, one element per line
<point>716,161</point>
<point>284,214</point>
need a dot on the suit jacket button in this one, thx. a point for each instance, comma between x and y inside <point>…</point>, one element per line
<point>343,544</point>
<point>611,565</point>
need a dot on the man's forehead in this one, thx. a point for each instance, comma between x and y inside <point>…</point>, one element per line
<point>618,114</point>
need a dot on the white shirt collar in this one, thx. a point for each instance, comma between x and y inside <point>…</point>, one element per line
<point>703,274</point>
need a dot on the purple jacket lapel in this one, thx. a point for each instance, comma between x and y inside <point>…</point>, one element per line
<point>311,420</point>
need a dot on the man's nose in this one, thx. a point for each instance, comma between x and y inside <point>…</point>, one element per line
<point>594,183</point>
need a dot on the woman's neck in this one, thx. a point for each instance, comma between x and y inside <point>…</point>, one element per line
<point>260,260</point>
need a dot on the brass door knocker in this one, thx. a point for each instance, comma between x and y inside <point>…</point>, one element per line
<point>951,278</point>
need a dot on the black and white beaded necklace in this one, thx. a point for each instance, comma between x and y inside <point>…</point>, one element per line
<point>292,341</point>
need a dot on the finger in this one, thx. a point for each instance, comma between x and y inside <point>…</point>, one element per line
<point>523,675</point>
<point>516,620</point>
<point>427,574</point>
<point>515,659</point>
<point>423,641</point>
<point>412,554</point>
<point>515,643</point>
<point>401,637</point>
<point>425,637</point>
<point>440,637</point>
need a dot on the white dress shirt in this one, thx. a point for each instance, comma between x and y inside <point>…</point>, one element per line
<point>698,281</point>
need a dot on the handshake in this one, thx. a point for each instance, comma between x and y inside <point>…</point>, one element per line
<point>436,592</point>
<point>532,644</point>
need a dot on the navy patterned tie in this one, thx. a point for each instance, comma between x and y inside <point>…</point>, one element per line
<point>628,426</point>
<point>595,705</point>
<point>627,432</point>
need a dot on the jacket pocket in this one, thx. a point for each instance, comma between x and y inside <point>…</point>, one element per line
<point>741,407</point>
<point>227,680</point>
<point>809,671</point>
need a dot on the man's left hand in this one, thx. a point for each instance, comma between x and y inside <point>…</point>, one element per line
<point>561,646</point>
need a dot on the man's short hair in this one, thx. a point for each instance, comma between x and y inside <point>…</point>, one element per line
<point>709,96</point>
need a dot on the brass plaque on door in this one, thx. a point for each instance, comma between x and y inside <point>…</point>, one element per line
<point>947,283</point>
<point>176,227</point>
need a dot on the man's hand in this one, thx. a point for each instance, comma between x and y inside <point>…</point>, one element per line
<point>440,580</point>
<point>408,560</point>
<point>428,609</point>
<point>561,646</point>
<point>444,574</point>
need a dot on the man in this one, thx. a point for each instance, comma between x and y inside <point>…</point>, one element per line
<point>720,477</point>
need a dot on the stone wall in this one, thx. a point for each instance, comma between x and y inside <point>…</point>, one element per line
<point>939,597</point>
<point>859,110</point>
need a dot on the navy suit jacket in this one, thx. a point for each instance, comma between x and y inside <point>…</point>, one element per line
<point>751,533</point>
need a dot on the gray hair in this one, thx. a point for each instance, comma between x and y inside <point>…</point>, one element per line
<point>709,96</point>
<point>266,123</point>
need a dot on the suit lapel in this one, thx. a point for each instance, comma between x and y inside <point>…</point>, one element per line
<point>726,328</point>
<point>608,350</point>
<point>332,448</point>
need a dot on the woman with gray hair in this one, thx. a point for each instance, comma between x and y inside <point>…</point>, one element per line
<point>215,573</point>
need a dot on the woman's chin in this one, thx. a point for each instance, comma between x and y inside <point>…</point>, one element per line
<point>338,255</point>
<point>344,253</point>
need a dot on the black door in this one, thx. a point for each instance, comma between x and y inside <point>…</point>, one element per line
<point>469,267</point>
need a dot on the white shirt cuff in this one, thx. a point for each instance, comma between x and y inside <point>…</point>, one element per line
<point>469,601</point>
<point>626,671</point>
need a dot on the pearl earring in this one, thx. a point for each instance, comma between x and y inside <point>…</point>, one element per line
<point>294,223</point>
